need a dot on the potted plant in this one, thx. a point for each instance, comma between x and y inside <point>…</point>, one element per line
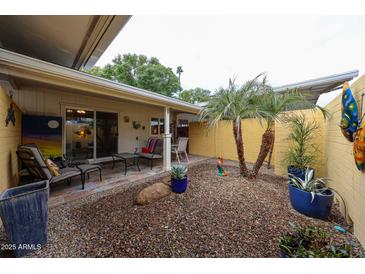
<point>179,178</point>
<point>302,151</point>
<point>310,196</point>
<point>311,242</point>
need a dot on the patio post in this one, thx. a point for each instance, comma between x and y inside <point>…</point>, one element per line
<point>167,142</point>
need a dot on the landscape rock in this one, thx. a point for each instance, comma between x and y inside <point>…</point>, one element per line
<point>153,193</point>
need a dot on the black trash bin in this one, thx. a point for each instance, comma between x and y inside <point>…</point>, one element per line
<point>24,212</point>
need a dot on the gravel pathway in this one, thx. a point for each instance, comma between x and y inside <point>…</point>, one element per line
<point>216,217</point>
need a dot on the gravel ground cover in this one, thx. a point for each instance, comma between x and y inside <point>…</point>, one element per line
<point>217,217</point>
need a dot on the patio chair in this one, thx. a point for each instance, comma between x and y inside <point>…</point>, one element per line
<point>33,160</point>
<point>153,151</point>
<point>84,165</point>
<point>181,147</point>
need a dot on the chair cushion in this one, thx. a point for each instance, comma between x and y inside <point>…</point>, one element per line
<point>53,168</point>
<point>66,173</point>
<point>150,156</point>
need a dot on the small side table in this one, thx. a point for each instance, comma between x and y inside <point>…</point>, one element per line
<point>124,157</point>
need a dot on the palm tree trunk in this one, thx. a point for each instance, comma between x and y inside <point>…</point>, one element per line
<point>271,151</point>
<point>266,144</point>
<point>237,132</point>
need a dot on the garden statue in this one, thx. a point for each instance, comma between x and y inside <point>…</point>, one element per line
<point>221,171</point>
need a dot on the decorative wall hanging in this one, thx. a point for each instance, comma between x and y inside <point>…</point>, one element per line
<point>359,147</point>
<point>136,125</point>
<point>126,119</point>
<point>45,132</point>
<point>349,113</point>
<point>10,115</point>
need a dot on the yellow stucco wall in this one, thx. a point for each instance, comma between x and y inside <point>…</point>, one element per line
<point>219,141</point>
<point>341,169</point>
<point>10,138</point>
<point>281,144</point>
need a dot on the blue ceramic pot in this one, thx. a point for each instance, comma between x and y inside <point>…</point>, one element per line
<point>301,201</point>
<point>179,186</point>
<point>297,171</point>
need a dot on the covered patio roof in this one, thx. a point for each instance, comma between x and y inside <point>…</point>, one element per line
<point>73,41</point>
<point>315,87</point>
<point>17,66</point>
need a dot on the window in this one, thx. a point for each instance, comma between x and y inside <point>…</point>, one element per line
<point>154,126</point>
<point>157,126</point>
<point>162,125</point>
<point>183,123</point>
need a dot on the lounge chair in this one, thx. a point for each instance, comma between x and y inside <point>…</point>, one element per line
<point>180,148</point>
<point>33,161</point>
<point>84,165</point>
<point>154,150</point>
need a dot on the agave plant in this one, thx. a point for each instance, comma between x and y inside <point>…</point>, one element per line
<point>179,172</point>
<point>309,184</point>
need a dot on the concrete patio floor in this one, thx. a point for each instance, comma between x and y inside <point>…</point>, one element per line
<point>112,177</point>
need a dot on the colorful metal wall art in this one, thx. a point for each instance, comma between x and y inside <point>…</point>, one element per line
<point>349,113</point>
<point>352,127</point>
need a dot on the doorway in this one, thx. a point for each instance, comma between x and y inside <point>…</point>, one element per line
<point>106,134</point>
<point>90,134</point>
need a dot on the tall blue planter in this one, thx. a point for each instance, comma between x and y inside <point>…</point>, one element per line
<point>24,213</point>
<point>179,186</point>
<point>301,201</point>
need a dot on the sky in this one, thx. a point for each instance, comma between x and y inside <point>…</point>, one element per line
<point>212,49</point>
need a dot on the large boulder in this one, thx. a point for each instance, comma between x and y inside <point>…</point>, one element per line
<point>153,193</point>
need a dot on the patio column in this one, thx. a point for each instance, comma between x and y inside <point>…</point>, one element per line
<point>167,142</point>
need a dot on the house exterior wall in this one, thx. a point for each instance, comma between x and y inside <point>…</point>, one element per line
<point>48,101</point>
<point>341,169</point>
<point>219,141</point>
<point>10,138</point>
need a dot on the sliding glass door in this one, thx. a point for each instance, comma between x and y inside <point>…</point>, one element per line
<point>81,140</point>
<point>79,134</point>
<point>106,134</point>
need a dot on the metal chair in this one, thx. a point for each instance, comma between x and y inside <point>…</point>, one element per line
<point>180,147</point>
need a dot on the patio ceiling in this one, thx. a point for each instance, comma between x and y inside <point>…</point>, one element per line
<point>70,41</point>
<point>315,87</point>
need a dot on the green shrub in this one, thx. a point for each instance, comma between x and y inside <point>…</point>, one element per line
<point>311,242</point>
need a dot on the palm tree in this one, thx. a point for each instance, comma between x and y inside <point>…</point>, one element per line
<point>179,70</point>
<point>271,107</point>
<point>233,103</point>
<point>254,99</point>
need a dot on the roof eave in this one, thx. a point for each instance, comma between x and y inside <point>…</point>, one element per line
<point>30,68</point>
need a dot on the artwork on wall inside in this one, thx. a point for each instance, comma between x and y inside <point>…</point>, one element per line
<point>45,132</point>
